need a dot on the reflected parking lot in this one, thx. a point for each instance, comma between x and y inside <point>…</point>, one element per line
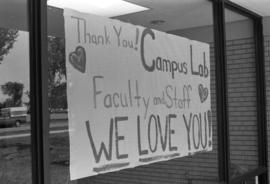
<point>15,150</point>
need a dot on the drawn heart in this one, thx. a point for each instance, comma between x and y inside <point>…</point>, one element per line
<point>78,59</point>
<point>203,93</point>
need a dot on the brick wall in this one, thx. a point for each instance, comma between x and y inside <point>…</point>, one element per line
<point>242,110</point>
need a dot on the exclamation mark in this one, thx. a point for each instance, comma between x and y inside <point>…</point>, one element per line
<point>137,38</point>
<point>210,127</point>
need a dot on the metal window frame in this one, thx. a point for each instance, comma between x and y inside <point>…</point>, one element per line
<point>221,90</point>
<point>37,10</point>
<point>37,18</point>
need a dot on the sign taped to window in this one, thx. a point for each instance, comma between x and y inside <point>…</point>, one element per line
<point>135,95</point>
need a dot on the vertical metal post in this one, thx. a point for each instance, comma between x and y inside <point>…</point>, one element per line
<point>221,90</point>
<point>38,91</point>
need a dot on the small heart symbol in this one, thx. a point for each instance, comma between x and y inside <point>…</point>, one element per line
<point>78,59</point>
<point>203,93</point>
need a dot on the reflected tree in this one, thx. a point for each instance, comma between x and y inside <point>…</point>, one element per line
<point>15,92</point>
<point>59,94</point>
<point>27,103</point>
<point>7,39</point>
<point>57,73</point>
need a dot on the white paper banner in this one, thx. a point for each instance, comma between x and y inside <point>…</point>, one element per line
<point>135,95</point>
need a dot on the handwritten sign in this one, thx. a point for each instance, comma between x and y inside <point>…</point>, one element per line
<point>135,95</point>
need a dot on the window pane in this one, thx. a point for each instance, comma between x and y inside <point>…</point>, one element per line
<point>15,143</point>
<point>242,102</point>
<point>191,20</point>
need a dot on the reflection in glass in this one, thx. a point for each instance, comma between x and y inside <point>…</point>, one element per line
<point>242,102</point>
<point>59,140</point>
<point>15,146</point>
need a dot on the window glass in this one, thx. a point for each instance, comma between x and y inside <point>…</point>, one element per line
<point>15,129</point>
<point>190,19</point>
<point>242,102</point>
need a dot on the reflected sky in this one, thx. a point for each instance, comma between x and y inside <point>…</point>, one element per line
<point>15,65</point>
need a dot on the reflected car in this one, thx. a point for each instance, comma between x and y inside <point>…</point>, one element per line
<point>13,116</point>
